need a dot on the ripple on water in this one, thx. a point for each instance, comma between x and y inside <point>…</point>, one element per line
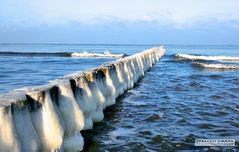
<point>196,76</point>
<point>215,76</point>
<point>233,81</point>
<point>186,143</point>
<point>195,84</point>
<point>234,90</point>
<point>235,124</point>
<point>222,113</point>
<point>153,117</point>
<point>215,97</point>
<point>159,142</point>
<point>179,88</point>
<point>171,107</point>
<point>183,121</point>
<point>206,126</point>
<point>145,133</point>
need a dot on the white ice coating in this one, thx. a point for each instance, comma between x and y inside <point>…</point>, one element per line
<point>217,66</point>
<point>51,117</point>
<point>208,58</point>
<point>106,54</point>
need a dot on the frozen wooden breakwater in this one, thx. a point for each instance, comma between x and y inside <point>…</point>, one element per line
<point>51,117</point>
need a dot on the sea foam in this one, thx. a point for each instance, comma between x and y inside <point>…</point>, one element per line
<point>217,66</point>
<point>207,58</point>
<point>106,54</point>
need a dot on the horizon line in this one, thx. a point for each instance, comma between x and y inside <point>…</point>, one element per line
<point>116,44</point>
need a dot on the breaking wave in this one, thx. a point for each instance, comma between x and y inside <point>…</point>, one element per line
<point>217,66</point>
<point>101,55</point>
<point>85,54</point>
<point>207,58</point>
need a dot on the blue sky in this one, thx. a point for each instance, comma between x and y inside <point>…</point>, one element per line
<point>120,21</point>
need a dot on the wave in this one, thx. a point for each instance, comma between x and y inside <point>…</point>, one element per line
<point>217,66</point>
<point>32,54</point>
<point>105,54</point>
<point>207,58</point>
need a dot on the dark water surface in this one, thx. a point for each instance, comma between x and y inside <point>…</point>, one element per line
<point>174,104</point>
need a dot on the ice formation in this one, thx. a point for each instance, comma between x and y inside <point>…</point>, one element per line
<point>51,117</point>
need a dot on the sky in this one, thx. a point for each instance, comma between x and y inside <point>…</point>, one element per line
<point>120,21</point>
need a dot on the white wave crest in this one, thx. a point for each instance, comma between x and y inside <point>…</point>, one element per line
<point>207,58</point>
<point>106,54</point>
<point>217,66</point>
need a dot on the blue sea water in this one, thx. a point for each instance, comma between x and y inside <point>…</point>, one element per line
<point>174,104</point>
<point>24,65</point>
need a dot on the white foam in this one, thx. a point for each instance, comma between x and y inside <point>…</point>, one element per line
<point>208,58</point>
<point>106,54</point>
<point>217,66</point>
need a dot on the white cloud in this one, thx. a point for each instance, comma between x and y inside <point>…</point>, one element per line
<point>174,12</point>
<point>147,18</point>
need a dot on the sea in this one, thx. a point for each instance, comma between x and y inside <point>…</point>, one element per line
<point>191,93</point>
